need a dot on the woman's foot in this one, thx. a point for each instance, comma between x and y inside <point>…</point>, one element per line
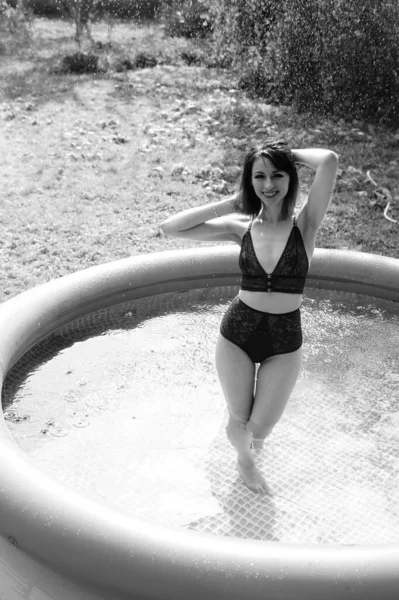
<point>240,439</point>
<point>251,476</point>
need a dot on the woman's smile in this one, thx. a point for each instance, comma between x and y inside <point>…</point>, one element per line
<point>268,182</point>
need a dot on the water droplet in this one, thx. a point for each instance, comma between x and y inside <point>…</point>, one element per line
<point>81,421</point>
<point>96,401</point>
<point>59,430</point>
<point>71,396</point>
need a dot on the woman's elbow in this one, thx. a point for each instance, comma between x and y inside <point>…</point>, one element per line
<point>166,228</point>
<point>332,157</point>
<point>330,162</point>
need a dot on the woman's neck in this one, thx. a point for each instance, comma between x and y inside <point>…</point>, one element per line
<point>270,216</point>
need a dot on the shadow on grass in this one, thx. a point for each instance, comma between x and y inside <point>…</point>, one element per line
<point>31,64</point>
<point>28,68</point>
<point>42,75</point>
<point>41,78</point>
<point>41,84</point>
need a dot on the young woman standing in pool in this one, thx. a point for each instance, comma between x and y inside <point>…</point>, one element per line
<point>263,324</point>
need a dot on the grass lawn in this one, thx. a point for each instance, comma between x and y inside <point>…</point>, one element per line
<point>91,164</point>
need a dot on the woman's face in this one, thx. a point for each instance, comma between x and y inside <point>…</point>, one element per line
<point>270,184</point>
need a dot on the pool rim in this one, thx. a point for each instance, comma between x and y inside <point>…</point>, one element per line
<point>148,558</point>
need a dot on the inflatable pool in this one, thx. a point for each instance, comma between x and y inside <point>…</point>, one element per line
<point>56,544</point>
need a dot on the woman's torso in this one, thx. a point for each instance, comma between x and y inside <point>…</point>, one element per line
<point>269,244</point>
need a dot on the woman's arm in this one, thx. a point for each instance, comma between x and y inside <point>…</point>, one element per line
<point>203,222</point>
<point>325,163</point>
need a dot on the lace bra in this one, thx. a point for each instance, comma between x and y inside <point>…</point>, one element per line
<point>288,276</point>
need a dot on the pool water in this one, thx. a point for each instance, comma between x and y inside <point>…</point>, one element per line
<point>125,407</point>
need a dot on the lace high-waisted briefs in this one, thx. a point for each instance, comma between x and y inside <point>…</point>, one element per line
<point>261,335</point>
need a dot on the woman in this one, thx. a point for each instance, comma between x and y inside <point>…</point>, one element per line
<point>262,325</point>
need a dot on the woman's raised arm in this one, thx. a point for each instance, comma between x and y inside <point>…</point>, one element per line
<point>325,163</point>
<point>203,222</point>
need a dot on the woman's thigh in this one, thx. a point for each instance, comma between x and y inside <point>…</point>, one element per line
<point>275,381</point>
<point>236,373</point>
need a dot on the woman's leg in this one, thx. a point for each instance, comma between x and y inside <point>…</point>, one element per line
<point>275,381</point>
<point>236,373</point>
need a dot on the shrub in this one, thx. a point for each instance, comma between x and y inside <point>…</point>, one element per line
<point>241,30</point>
<point>80,63</point>
<point>187,19</point>
<point>39,7</point>
<point>139,10</point>
<point>361,59</point>
<point>342,56</point>
<point>335,56</point>
<point>15,18</point>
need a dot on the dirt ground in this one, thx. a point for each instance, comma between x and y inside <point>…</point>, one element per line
<point>91,164</point>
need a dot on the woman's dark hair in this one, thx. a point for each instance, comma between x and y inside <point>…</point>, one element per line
<point>283,159</point>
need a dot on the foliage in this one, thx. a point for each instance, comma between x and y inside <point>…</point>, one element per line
<point>38,7</point>
<point>242,29</point>
<point>187,19</point>
<point>80,63</point>
<point>15,18</point>
<point>362,57</point>
<point>138,10</point>
<point>83,12</point>
<point>184,18</point>
<point>117,154</point>
<point>333,56</point>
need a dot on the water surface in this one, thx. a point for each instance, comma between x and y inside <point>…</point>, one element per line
<point>131,414</point>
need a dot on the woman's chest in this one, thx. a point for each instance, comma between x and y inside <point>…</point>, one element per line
<point>269,249</point>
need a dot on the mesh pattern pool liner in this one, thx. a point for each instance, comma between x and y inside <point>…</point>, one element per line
<point>328,485</point>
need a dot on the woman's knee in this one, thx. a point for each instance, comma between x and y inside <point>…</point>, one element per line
<point>259,431</point>
<point>237,420</point>
<point>237,433</point>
